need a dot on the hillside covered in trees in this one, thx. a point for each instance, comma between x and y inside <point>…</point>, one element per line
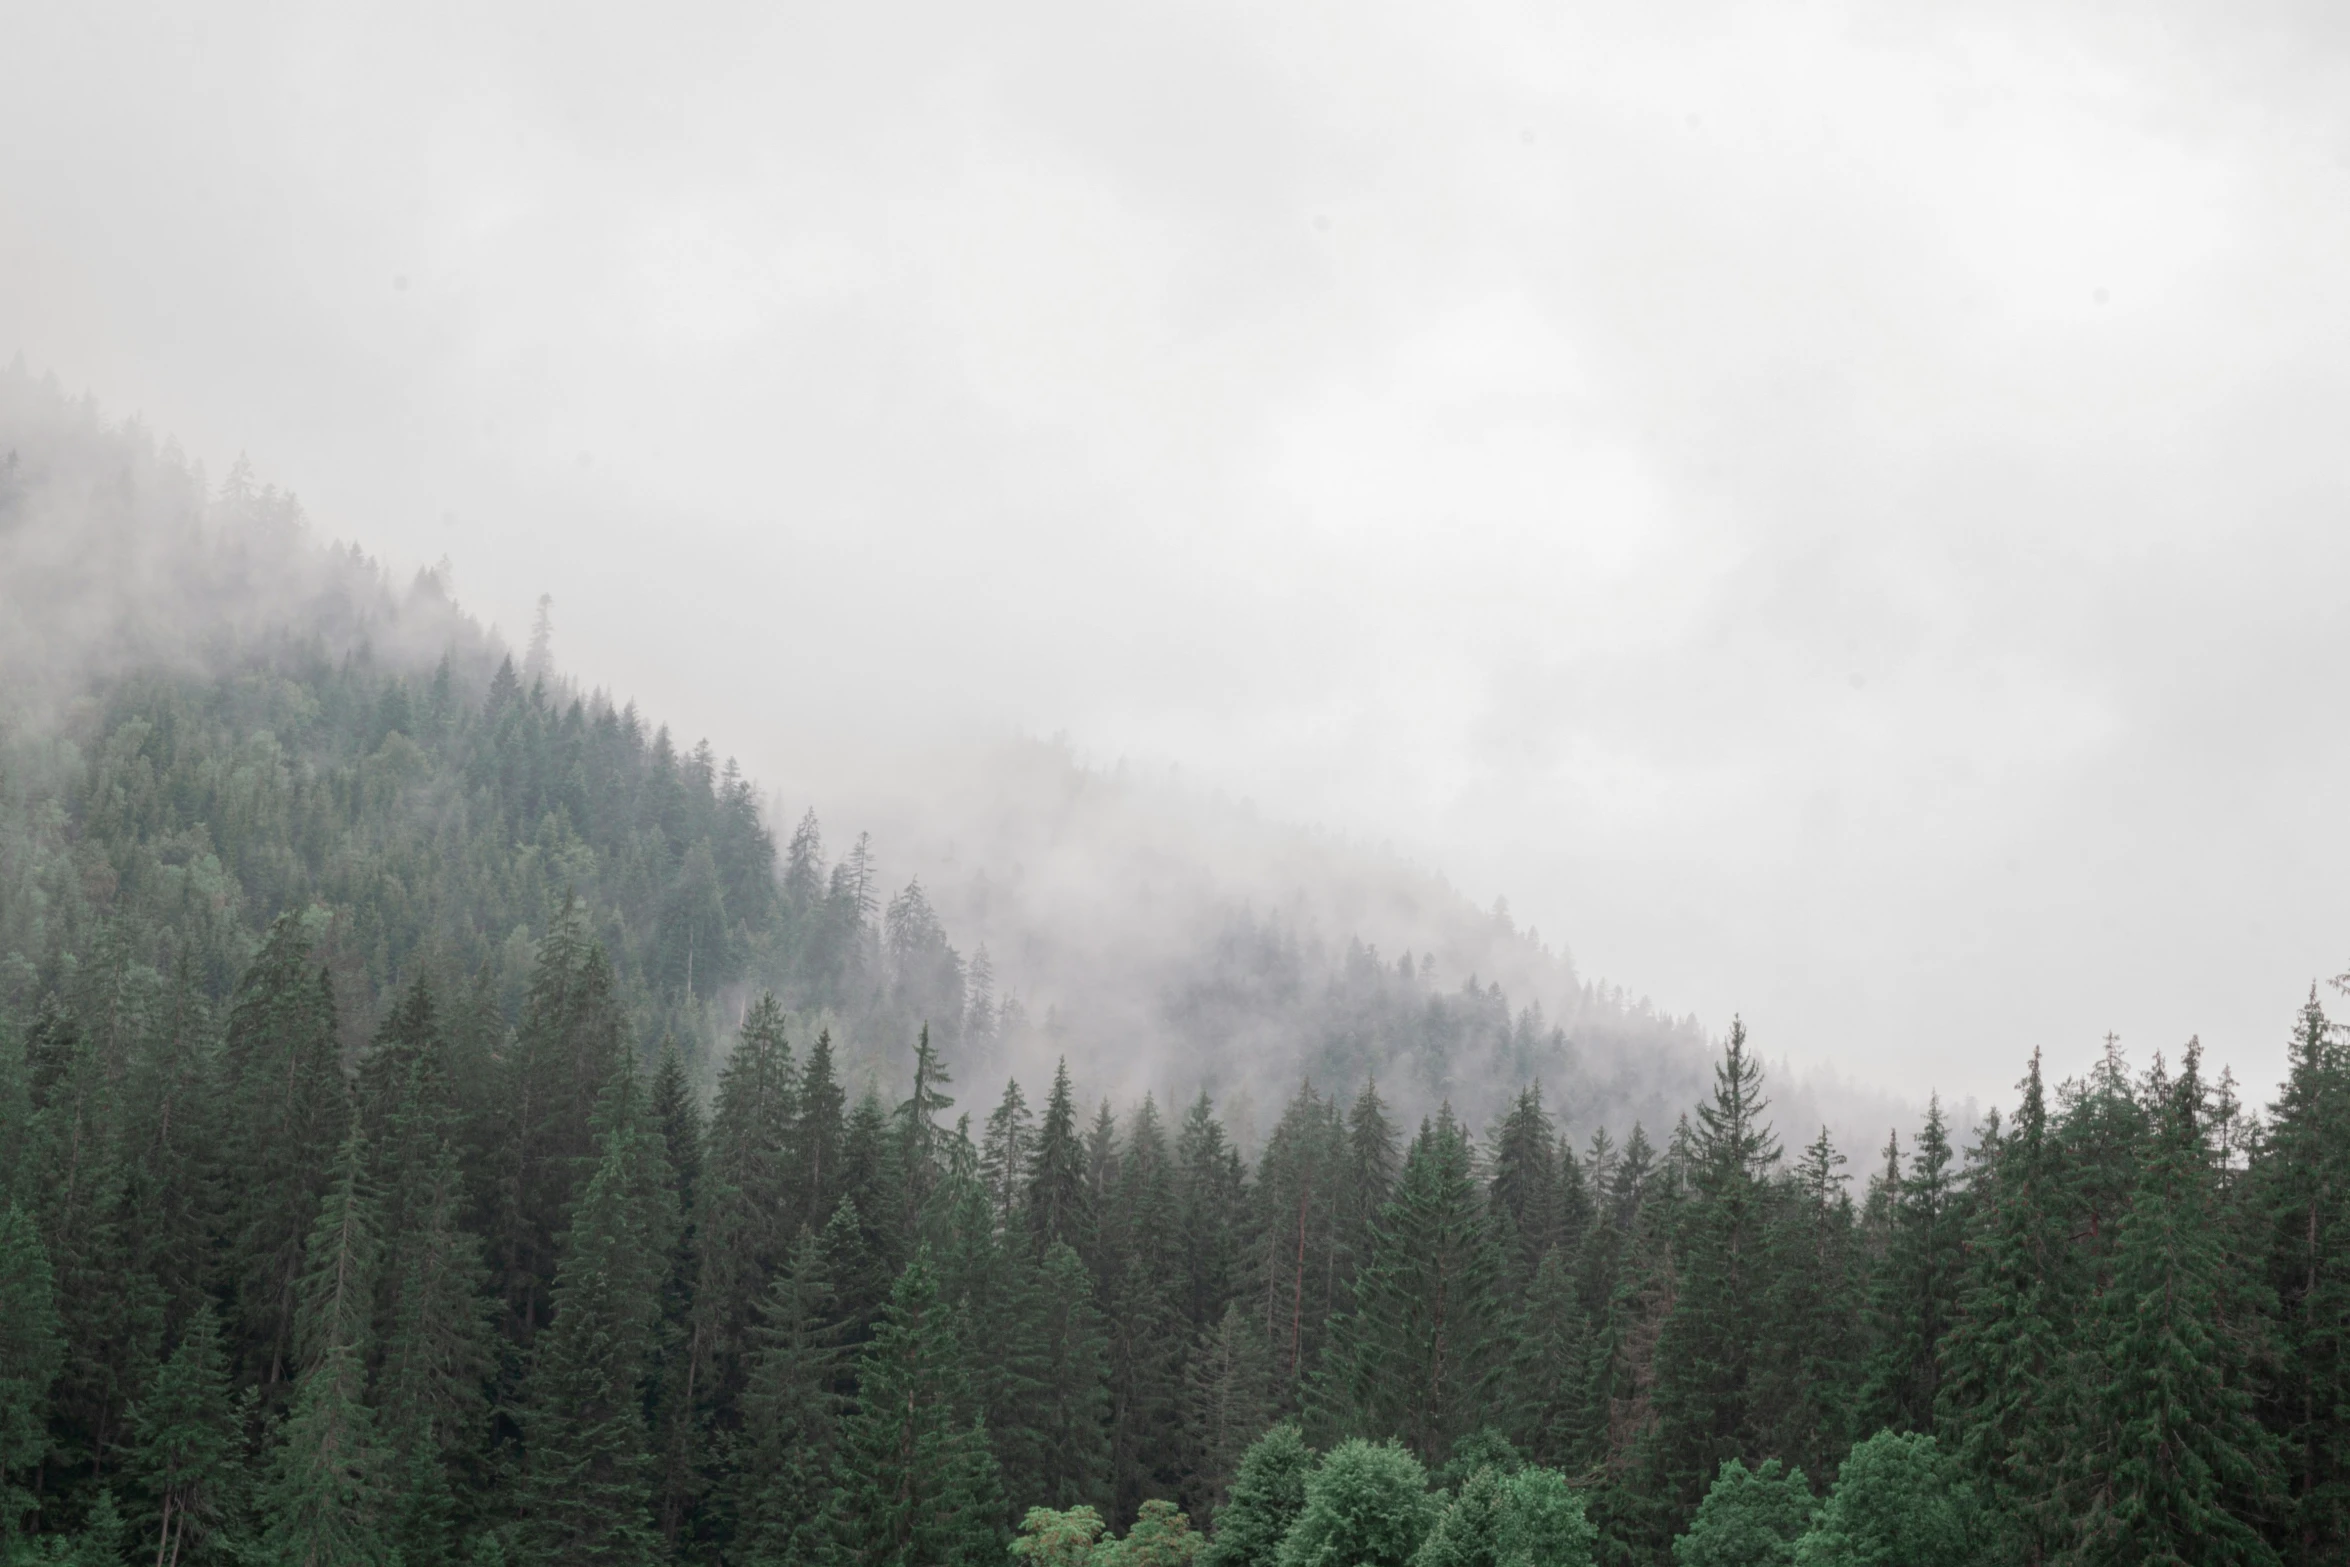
<point>443,1119</point>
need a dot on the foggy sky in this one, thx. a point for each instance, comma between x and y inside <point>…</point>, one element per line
<point>1835,512</point>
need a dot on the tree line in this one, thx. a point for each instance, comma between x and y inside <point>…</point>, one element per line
<point>511,1295</point>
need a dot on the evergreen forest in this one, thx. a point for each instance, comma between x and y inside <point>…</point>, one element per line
<point>443,1120</point>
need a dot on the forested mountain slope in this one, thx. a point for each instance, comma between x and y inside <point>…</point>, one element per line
<point>443,1119</point>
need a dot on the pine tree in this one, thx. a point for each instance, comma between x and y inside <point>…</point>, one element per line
<point>190,1447</point>
<point>2007,1390</point>
<point>289,1107</point>
<point>587,1493</point>
<point>1417,1356</point>
<point>916,1484</point>
<point>1229,1398</point>
<point>1705,1355</point>
<point>172,1196</point>
<point>31,1351</point>
<point>1060,1206</point>
<point>679,1439</point>
<point>921,1155</point>
<point>1807,1377</point>
<point>1005,1153</point>
<point>816,1152</point>
<point>1525,1186</point>
<point>1914,1295</point>
<point>1549,1369</point>
<point>438,1359</point>
<point>325,1497</point>
<point>2173,1465</point>
<point>566,1051</point>
<point>1069,1411</point>
<point>108,1311</point>
<point>743,1200</point>
<point>2301,1191</point>
<point>780,1472</point>
<point>1210,1188</point>
<point>1299,1188</point>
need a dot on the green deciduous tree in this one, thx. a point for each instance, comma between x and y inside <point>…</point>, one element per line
<point>1366,1505</point>
<point>1749,1518</point>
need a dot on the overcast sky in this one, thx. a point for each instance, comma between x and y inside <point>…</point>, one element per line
<point>1834,511</point>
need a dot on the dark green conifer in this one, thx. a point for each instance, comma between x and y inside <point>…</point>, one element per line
<point>2300,1187</point>
<point>1060,1206</point>
<point>1914,1295</point>
<point>1268,1493</point>
<point>1417,1356</point>
<point>191,1450</point>
<point>781,1469</point>
<point>2171,1464</point>
<point>587,1492</point>
<point>916,1485</point>
<point>324,1502</point>
<point>31,1351</point>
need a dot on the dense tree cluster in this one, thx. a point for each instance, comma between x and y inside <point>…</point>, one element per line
<point>520,1296</point>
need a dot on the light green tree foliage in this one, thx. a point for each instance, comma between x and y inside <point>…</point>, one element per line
<point>1531,1518</point>
<point>1058,1539</point>
<point>1161,1537</point>
<point>1366,1506</point>
<point>1897,1503</point>
<point>1749,1518</point>
<point>1268,1493</point>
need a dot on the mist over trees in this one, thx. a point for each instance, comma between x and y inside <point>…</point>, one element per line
<point>443,1119</point>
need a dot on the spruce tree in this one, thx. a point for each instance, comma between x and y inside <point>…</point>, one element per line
<point>1005,1153</point>
<point>438,1359</point>
<point>1547,1387</point>
<point>2172,1464</point>
<point>587,1492</point>
<point>191,1449</point>
<point>1417,1356</point>
<point>1144,1319</point>
<point>288,1108</point>
<point>1914,1295</point>
<point>916,1485</point>
<point>1070,1409</point>
<point>567,1049</point>
<point>780,1470</point>
<point>324,1501</point>
<point>2300,1188</point>
<point>743,1201</point>
<point>2008,1390</point>
<point>1808,1374</point>
<point>31,1351</point>
<point>109,1315</point>
<point>1229,1398</point>
<point>1525,1186</point>
<point>816,1148</point>
<point>1060,1207</point>
<point>1705,1354</point>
